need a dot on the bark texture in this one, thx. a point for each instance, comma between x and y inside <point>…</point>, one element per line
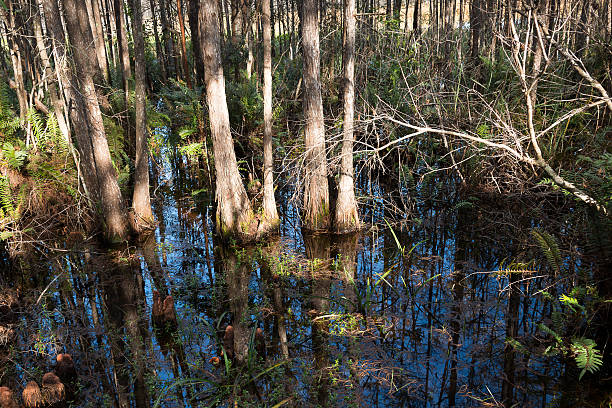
<point>113,207</point>
<point>270,219</point>
<point>316,191</point>
<point>347,218</point>
<point>141,200</point>
<point>186,70</point>
<point>234,216</point>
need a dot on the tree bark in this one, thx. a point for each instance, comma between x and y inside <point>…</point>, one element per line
<point>234,216</point>
<point>141,200</point>
<point>98,36</point>
<point>124,52</point>
<point>186,70</point>
<point>167,38</point>
<point>158,48</point>
<point>113,208</point>
<point>347,218</point>
<point>194,10</point>
<point>16,60</point>
<point>74,99</point>
<point>56,100</point>
<point>475,24</point>
<point>316,191</point>
<point>270,219</point>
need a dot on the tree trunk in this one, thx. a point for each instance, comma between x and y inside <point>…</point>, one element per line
<point>113,208</point>
<point>56,100</point>
<point>194,10</point>
<point>158,48</point>
<point>16,60</point>
<point>475,24</point>
<point>167,38</point>
<point>415,17</point>
<point>270,216</point>
<point>98,35</point>
<point>235,216</point>
<point>141,201</point>
<point>124,52</point>
<point>74,99</point>
<point>347,218</point>
<point>316,192</point>
<point>187,73</point>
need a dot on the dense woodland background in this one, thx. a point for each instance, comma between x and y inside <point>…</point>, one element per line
<point>335,109</point>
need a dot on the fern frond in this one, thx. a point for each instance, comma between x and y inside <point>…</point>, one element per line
<point>587,357</point>
<point>6,197</point>
<point>549,247</point>
<point>38,127</point>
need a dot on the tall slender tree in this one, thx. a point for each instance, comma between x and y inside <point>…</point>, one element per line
<point>316,189</point>
<point>187,73</point>
<point>347,218</point>
<point>234,212</point>
<point>95,20</point>
<point>270,215</point>
<point>194,11</point>
<point>113,207</point>
<point>161,58</point>
<point>141,201</point>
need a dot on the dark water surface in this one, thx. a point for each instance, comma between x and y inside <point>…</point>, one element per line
<point>414,317</point>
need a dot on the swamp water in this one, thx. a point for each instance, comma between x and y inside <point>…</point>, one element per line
<point>416,316</point>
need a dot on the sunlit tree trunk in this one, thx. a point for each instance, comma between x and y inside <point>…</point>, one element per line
<point>234,212</point>
<point>56,100</point>
<point>316,191</point>
<point>113,208</point>
<point>270,219</point>
<point>16,59</point>
<point>347,218</point>
<point>74,99</point>
<point>98,36</point>
<point>141,201</point>
<point>124,51</point>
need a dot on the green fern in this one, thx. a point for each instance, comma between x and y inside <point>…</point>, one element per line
<point>549,246</point>
<point>9,120</point>
<point>6,198</point>
<point>46,133</point>
<point>587,357</point>
<point>14,157</point>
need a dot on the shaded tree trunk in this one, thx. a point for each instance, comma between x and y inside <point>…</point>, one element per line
<point>167,39</point>
<point>113,208</point>
<point>234,212</point>
<point>194,10</point>
<point>316,191</point>
<point>158,47</point>
<point>141,200</point>
<point>347,218</point>
<point>186,71</point>
<point>270,219</point>
<point>475,25</point>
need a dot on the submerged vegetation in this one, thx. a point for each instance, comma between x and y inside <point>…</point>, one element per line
<point>319,203</point>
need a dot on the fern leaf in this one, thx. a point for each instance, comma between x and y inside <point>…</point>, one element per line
<point>587,357</point>
<point>549,247</point>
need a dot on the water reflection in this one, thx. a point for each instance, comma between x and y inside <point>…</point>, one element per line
<point>415,317</point>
